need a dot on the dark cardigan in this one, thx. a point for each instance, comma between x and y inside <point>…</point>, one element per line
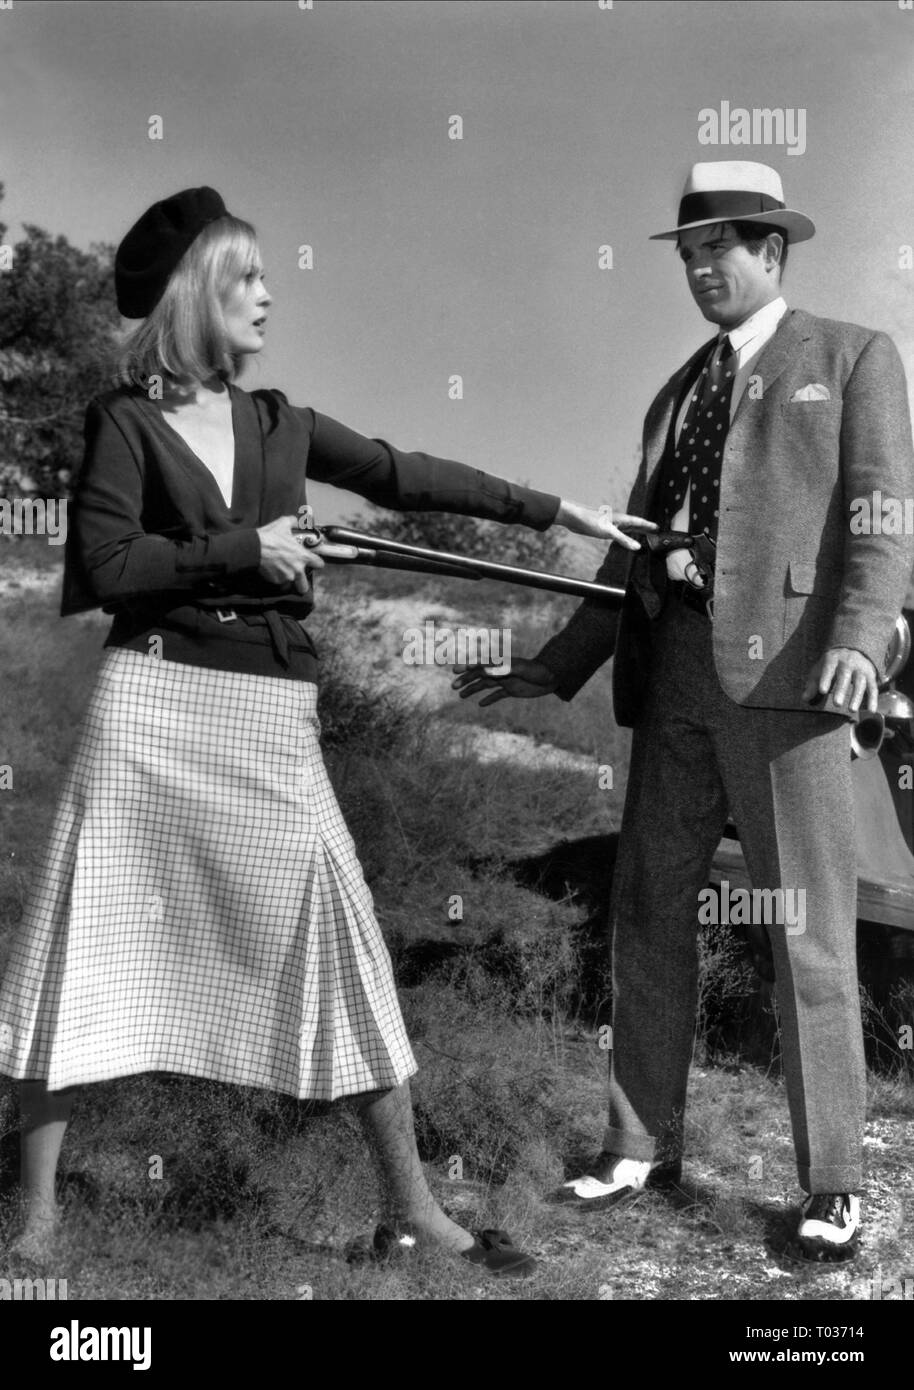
<point>152,540</point>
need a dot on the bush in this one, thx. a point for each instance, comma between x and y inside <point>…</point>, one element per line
<point>353,716</point>
<point>726,985</point>
<point>884,1026</point>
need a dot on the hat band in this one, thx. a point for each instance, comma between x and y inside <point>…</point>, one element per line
<point>725,205</point>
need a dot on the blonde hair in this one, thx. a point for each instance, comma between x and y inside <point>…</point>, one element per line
<point>184,337</point>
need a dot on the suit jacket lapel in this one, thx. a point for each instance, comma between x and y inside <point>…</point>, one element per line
<point>775,356</point>
<point>772,361</point>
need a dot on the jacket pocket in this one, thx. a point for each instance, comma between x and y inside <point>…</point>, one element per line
<point>807,424</point>
<point>809,591</point>
<point>806,577</point>
<point>833,406</point>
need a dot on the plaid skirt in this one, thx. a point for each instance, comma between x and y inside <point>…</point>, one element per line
<point>200,908</point>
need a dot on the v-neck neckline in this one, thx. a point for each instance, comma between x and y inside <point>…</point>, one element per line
<point>231,506</point>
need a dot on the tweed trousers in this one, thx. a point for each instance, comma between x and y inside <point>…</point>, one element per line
<point>784,778</point>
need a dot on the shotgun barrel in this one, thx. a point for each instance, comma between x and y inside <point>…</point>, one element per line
<point>360,549</point>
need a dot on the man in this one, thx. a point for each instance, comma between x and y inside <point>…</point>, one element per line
<point>762,441</point>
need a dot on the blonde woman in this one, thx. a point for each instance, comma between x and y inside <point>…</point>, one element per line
<point>200,908</point>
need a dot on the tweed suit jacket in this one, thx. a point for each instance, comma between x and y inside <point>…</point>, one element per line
<point>792,579</point>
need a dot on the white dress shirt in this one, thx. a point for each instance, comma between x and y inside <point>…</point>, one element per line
<point>747,341</point>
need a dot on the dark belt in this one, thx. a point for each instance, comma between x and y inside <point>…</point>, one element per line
<point>279,637</point>
<point>281,622</point>
<point>681,591</point>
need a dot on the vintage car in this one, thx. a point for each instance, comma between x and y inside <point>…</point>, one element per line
<point>882,751</point>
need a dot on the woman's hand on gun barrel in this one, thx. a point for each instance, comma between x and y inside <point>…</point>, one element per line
<point>527,680</point>
<point>602,522</point>
<point>284,555</point>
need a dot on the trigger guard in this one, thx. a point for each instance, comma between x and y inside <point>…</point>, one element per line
<point>698,582</point>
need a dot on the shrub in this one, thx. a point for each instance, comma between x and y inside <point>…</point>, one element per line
<point>356,717</point>
<point>726,984</point>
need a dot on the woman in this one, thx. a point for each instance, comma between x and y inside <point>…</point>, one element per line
<point>201,908</point>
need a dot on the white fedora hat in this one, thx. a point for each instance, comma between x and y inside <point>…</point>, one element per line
<point>736,191</point>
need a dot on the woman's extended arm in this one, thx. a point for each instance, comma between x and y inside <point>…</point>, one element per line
<point>419,482</point>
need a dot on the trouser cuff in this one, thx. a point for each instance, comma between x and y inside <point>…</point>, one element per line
<point>623,1144</point>
<point>844,1177</point>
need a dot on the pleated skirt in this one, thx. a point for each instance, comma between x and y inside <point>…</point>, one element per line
<point>200,908</point>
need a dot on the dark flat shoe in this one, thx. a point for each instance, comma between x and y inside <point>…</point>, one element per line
<point>493,1250</point>
<point>496,1252</point>
<point>384,1247</point>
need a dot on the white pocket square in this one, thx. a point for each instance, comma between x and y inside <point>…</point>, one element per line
<point>815,391</point>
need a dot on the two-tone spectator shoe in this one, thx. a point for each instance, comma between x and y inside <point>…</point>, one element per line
<point>612,1180</point>
<point>829,1229</point>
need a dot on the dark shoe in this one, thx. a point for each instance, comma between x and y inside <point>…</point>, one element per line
<point>601,1188</point>
<point>829,1229</point>
<point>384,1247</point>
<point>493,1250</point>
<point>498,1254</point>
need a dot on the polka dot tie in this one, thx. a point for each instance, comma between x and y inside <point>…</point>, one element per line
<point>699,450</point>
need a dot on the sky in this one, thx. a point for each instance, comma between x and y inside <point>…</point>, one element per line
<point>435,257</point>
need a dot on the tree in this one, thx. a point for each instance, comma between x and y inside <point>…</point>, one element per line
<point>57,320</point>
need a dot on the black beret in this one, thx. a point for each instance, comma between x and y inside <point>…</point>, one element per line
<point>155,244</point>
